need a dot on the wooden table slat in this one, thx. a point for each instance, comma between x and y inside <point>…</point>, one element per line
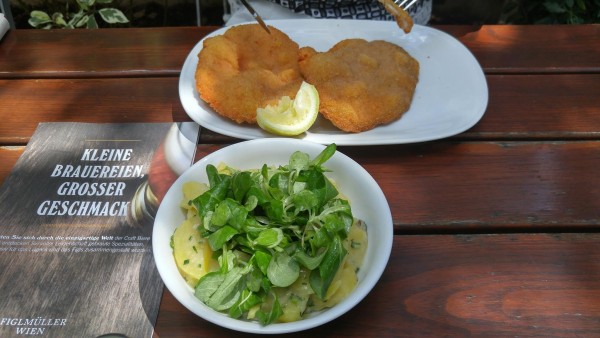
<point>457,286</point>
<point>496,229</point>
<point>8,157</point>
<point>536,48</point>
<point>25,103</point>
<point>520,106</point>
<point>108,52</point>
<point>540,107</point>
<point>474,186</point>
<point>485,186</point>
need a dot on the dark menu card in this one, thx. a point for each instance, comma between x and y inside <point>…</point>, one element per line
<point>75,228</point>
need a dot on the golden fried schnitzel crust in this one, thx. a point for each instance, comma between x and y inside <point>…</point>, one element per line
<point>361,84</point>
<point>246,68</point>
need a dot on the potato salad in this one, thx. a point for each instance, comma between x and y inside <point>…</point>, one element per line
<point>271,244</point>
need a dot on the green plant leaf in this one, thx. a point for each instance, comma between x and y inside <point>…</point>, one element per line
<point>112,15</point>
<point>316,182</point>
<point>321,279</point>
<point>213,175</point>
<point>262,260</point>
<point>269,238</point>
<point>92,23</point>
<point>211,198</point>
<point>554,7</point>
<point>221,214</point>
<point>305,200</point>
<point>39,18</point>
<point>324,155</point>
<point>246,301</point>
<point>85,4</point>
<point>40,15</point>
<point>82,22</point>
<point>220,237</point>
<point>251,202</point>
<point>104,2</point>
<point>208,284</point>
<point>254,280</point>
<point>266,318</point>
<point>241,183</point>
<point>59,19</point>
<point>283,270</point>
<point>308,261</point>
<point>239,213</point>
<point>34,23</point>
<point>229,291</point>
<point>75,19</point>
<point>299,161</point>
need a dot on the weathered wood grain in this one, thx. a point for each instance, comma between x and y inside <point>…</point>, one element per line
<point>114,52</point>
<point>475,186</point>
<point>8,157</point>
<point>553,106</point>
<point>526,174</point>
<point>450,186</point>
<point>535,48</point>
<point>520,106</point>
<point>25,103</point>
<point>140,52</point>
<point>526,285</point>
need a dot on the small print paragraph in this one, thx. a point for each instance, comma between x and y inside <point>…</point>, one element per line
<point>76,244</point>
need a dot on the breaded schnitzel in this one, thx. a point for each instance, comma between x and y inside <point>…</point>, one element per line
<point>361,84</point>
<point>246,68</point>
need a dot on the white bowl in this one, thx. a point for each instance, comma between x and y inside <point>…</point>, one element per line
<point>366,198</point>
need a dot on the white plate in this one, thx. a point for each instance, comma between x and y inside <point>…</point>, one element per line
<point>366,198</point>
<point>451,95</point>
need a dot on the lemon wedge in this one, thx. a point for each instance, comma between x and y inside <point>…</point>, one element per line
<point>291,118</point>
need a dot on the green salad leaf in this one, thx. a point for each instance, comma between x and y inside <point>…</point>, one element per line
<point>265,226</point>
<point>283,270</point>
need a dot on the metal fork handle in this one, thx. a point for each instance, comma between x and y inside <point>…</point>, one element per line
<point>403,3</point>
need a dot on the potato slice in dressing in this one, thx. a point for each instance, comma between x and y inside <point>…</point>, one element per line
<point>192,253</point>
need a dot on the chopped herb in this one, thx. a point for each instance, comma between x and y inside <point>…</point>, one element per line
<point>186,262</point>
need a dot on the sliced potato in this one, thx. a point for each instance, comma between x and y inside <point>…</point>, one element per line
<point>192,253</point>
<point>192,190</point>
<point>294,299</point>
<point>346,279</point>
<point>356,244</point>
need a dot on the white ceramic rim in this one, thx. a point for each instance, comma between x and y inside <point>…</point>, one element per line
<point>377,216</point>
<point>451,95</point>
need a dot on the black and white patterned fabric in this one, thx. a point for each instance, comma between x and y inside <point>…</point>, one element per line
<point>322,9</point>
<point>352,9</point>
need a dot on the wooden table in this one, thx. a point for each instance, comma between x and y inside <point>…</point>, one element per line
<point>496,229</point>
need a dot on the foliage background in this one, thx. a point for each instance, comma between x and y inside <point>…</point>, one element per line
<point>551,11</point>
<point>141,13</point>
<point>156,13</point>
